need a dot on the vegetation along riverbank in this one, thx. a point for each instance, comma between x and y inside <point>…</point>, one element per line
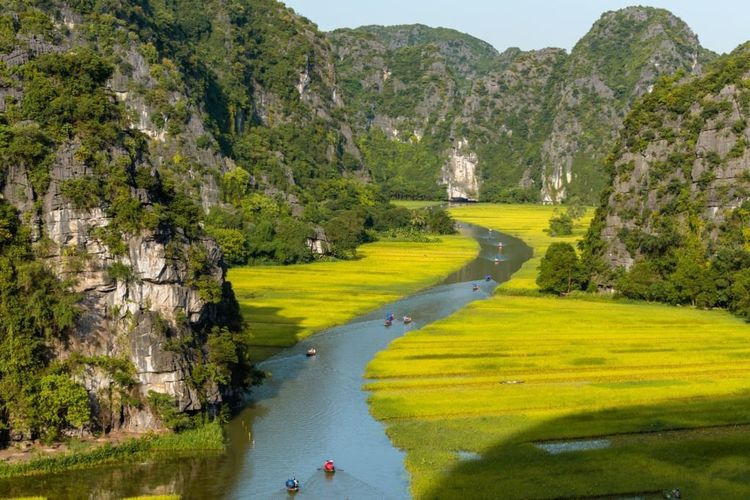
<point>282,305</point>
<point>531,396</point>
<point>205,439</point>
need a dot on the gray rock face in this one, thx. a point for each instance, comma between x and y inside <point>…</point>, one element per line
<point>691,175</point>
<point>118,318</point>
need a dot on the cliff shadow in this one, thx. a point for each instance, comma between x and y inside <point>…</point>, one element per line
<point>269,332</point>
<point>699,446</point>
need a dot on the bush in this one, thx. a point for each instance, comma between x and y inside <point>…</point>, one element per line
<point>561,225</point>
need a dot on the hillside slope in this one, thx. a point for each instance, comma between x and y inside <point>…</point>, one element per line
<point>433,106</point>
<point>673,225</point>
<point>121,124</point>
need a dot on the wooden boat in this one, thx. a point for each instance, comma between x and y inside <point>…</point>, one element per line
<point>311,352</point>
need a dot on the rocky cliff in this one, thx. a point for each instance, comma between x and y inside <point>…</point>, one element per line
<point>673,223</point>
<point>539,122</point>
<point>118,125</point>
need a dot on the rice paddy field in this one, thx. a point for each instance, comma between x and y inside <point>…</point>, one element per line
<point>283,304</point>
<point>531,396</point>
<point>526,222</point>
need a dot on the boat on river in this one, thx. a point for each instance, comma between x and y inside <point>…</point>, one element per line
<point>475,287</point>
<point>388,322</point>
<point>292,485</point>
<point>311,352</point>
<point>407,320</point>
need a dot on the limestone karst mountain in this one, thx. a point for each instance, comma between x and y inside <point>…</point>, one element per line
<point>511,126</point>
<point>122,124</point>
<point>672,226</point>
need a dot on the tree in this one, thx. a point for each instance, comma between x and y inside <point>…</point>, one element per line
<point>561,225</point>
<point>740,302</point>
<point>560,271</point>
<point>61,403</point>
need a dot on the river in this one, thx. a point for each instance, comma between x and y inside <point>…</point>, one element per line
<point>308,410</point>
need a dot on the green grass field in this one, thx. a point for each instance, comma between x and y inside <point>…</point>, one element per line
<point>416,204</point>
<point>283,304</point>
<point>664,390</point>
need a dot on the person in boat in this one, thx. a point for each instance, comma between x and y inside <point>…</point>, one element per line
<point>475,287</point>
<point>407,319</point>
<point>312,351</point>
<point>292,484</point>
<point>488,278</point>
<point>388,322</point>
<point>329,467</point>
<point>389,316</point>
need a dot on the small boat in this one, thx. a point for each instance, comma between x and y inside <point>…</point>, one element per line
<point>328,467</point>
<point>475,287</point>
<point>311,352</point>
<point>407,320</point>
<point>500,245</point>
<point>292,485</point>
<point>388,322</point>
<point>497,260</point>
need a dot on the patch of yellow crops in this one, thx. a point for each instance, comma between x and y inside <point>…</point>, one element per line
<point>504,373</point>
<point>283,304</point>
<point>526,222</point>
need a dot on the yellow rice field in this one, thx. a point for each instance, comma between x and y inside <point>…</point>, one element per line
<point>283,304</point>
<point>661,394</point>
<point>529,223</point>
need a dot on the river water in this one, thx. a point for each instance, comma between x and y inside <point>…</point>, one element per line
<point>308,410</point>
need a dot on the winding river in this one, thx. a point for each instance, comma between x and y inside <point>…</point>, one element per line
<point>308,410</point>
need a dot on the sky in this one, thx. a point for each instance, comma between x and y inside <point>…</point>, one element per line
<point>721,25</point>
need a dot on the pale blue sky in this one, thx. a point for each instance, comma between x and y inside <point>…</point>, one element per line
<point>721,25</point>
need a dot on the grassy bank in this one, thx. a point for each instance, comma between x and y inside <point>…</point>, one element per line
<point>283,304</point>
<point>664,391</point>
<point>208,438</point>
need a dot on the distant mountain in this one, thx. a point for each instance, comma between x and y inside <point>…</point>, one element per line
<point>673,224</point>
<point>511,126</point>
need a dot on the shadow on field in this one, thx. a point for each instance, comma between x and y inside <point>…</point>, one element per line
<point>269,331</point>
<point>701,446</point>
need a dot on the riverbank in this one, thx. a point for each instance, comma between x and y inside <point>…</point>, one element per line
<point>206,439</point>
<point>284,304</point>
<point>632,398</point>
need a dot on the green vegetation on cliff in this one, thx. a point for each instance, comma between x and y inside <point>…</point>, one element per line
<point>673,225</point>
<point>539,122</point>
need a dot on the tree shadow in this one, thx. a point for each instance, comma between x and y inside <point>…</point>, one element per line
<point>700,446</point>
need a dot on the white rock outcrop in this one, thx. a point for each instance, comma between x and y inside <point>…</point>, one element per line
<point>460,173</point>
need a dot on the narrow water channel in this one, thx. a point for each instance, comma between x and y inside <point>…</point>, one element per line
<point>308,410</point>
